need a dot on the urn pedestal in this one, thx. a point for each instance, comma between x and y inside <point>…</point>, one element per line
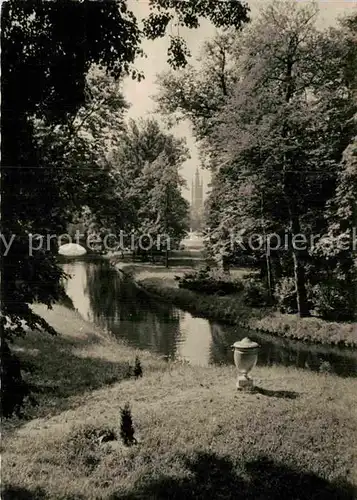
<point>245,359</point>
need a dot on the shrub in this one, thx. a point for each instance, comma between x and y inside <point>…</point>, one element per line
<point>210,281</point>
<point>126,426</point>
<point>285,295</point>
<point>255,293</point>
<point>138,371</point>
<point>333,301</point>
<point>82,445</point>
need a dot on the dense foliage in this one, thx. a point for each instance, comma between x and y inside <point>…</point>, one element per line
<point>274,108</point>
<point>146,166</point>
<point>209,282</point>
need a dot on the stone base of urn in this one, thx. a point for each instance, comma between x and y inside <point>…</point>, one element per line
<point>244,383</point>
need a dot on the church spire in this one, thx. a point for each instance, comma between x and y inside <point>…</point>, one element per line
<point>197,200</point>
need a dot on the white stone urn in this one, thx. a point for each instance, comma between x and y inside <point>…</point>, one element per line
<point>245,359</point>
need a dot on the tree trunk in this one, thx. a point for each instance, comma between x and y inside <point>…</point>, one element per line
<point>225,265</point>
<point>13,388</point>
<point>276,267</point>
<point>301,295</point>
<point>267,253</point>
<point>299,272</point>
<point>166,227</point>
<point>269,276</point>
<point>290,194</point>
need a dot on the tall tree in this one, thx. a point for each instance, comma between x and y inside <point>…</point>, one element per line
<point>291,100</point>
<point>198,92</point>
<point>147,164</point>
<point>165,211</point>
<point>335,283</point>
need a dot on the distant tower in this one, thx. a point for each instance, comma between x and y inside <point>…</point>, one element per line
<point>197,202</point>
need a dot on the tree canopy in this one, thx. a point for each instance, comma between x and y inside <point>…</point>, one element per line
<point>274,109</point>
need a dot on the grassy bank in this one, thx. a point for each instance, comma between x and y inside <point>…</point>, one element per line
<point>295,438</point>
<point>160,281</point>
<point>63,369</point>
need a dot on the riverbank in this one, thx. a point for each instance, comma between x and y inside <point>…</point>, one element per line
<point>159,281</point>
<point>63,369</point>
<point>296,437</point>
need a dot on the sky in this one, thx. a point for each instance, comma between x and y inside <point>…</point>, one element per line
<point>139,95</point>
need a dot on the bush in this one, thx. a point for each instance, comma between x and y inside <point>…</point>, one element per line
<point>255,293</point>
<point>82,445</point>
<point>138,370</point>
<point>285,295</point>
<point>210,281</point>
<point>333,301</point>
<point>126,426</point>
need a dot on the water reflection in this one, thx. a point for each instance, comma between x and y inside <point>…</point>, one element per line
<point>195,340</point>
<point>100,295</point>
<point>278,351</point>
<point>77,289</point>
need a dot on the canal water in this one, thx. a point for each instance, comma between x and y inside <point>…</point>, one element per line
<point>102,296</point>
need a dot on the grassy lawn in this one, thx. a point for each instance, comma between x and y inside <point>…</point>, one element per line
<point>63,369</point>
<point>160,281</point>
<point>198,437</point>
